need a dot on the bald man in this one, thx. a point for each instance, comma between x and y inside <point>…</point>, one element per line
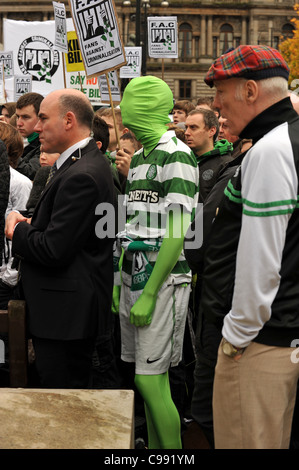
<point>66,270</point>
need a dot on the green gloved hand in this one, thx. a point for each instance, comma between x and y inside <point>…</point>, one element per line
<point>141,312</point>
<point>115,299</point>
<point>170,250</point>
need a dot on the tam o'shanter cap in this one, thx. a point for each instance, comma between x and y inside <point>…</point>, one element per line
<point>251,62</point>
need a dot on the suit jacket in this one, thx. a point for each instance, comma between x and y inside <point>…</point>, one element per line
<point>4,192</point>
<point>66,270</point>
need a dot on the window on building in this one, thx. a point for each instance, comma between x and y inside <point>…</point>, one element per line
<point>237,41</point>
<point>226,37</point>
<point>185,42</point>
<point>185,89</point>
<point>287,31</point>
<point>275,42</point>
<point>215,47</point>
<point>197,53</point>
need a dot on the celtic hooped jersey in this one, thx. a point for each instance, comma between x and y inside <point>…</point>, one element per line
<point>166,178</point>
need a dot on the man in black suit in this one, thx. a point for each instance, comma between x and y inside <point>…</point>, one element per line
<point>66,270</point>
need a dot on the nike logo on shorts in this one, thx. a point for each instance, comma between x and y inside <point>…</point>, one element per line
<point>154,360</point>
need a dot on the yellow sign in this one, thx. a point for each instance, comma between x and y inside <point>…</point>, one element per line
<point>73,59</point>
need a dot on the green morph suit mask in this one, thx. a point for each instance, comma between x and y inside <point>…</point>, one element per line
<point>146,104</point>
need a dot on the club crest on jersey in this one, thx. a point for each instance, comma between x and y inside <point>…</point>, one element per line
<point>151,172</point>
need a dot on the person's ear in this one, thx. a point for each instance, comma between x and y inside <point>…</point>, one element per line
<point>212,131</point>
<point>251,91</point>
<point>99,144</point>
<point>69,119</point>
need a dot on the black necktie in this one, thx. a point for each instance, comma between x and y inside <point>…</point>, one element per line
<point>52,172</point>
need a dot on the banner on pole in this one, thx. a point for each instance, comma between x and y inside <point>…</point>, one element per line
<point>60,26</point>
<point>23,84</point>
<point>133,67</point>
<point>6,64</point>
<point>73,59</point>
<point>162,37</point>
<point>34,53</point>
<point>88,86</point>
<point>29,41</point>
<point>97,30</point>
<point>114,88</point>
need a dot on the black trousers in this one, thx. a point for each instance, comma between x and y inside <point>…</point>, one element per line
<point>64,364</point>
<point>208,338</point>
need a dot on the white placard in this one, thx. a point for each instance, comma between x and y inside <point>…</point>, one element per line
<point>60,27</point>
<point>162,37</point>
<point>114,88</point>
<point>23,84</point>
<point>134,61</point>
<point>88,86</point>
<point>97,30</point>
<point>6,64</point>
<point>34,53</point>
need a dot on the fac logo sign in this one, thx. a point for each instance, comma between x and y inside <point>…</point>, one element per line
<point>37,57</point>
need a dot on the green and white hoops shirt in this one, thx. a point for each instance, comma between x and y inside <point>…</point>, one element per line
<point>165,179</point>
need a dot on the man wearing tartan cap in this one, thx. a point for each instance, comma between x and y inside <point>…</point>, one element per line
<point>254,62</point>
<point>251,276</point>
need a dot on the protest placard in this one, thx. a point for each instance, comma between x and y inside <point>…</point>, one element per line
<point>162,37</point>
<point>73,58</point>
<point>104,85</point>
<point>96,25</point>
<point>34,53</point>
<point>60,26</point>
<point>23,84</point>
<point>134,60</point>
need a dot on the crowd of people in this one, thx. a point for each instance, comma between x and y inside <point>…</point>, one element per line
<point>202,331</point>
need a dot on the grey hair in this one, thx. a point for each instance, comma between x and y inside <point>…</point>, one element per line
<point>274,87</point>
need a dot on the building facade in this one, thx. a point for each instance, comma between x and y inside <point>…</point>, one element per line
<point>206,29</point>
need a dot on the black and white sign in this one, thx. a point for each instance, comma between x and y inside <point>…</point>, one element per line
<point>23,84</point>
<point>114,88</point>
<point>6,64</point>
<point>98,34</point>
<point>60,27</point>
<point>134,59</point>
<point>162,37</point>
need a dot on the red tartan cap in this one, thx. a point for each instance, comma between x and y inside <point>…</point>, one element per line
<point>252,62</point>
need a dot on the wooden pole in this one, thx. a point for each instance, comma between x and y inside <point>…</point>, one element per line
<point>63,65</point>
<point>3,81</point>
<point>80,80</point>
<point>113,113</point>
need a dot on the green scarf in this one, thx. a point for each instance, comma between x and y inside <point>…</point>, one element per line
<point>111,157</point>
<point>145,106</point>
<point>141,267</point>
<point>32,136</point>
<point>221,147</point>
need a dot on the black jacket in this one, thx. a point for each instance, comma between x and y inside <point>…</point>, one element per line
<point>66,269</point>
<point>222,246</point>
<point>29,162</point>
<point>210,166</point>
<point>4,191</point>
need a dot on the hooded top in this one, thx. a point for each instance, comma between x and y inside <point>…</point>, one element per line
<point>146,104</point>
